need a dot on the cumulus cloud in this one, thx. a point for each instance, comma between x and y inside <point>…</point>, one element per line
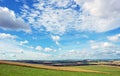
<point>101,45</point>
<point>61,16</point>
<point>96,50</point>
<point>94,46</point>
<point>107,44</point>
<point>103,14</point>
<point>15,52</point>
<point>48,49</point>
<point>77,54</point>
<point>115,38</point>
<point>102,8</point>
<point>9,21</point>
<point>107,49</point>
<point>23,42</point>
<point>56,39</point>
<point>7,36</point>
<point>94,53</point>
<point>12,46</point>
<point>39,48</point>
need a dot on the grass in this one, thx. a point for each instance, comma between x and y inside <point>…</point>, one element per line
<point>13,70</point>
<point>24,69</point>
<point>49,67</point>
<point>114,71</point>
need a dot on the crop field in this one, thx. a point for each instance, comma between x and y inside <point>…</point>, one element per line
<point>18,70</point>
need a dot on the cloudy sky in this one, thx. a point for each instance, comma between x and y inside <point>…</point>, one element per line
<point>59,29</point>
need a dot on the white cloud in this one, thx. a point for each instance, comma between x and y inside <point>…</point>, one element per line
<point>103,15</point>
<point>104,49</point>
<point>26,55</point>
<point>9,21</point>
<point>115,38</point>
<point>34,56</point>
<point>59,17</point>
<point>12,46</point>
<point>56,39</point>
<point>77,54</point>
<point>107,44</point>
<point>15,52</point>
<point>99,51</point>
<point>59,3</point>
<point>94,46</point>
<point>11,50</point>
<point>48,49</point>
<point>101,45</point>
<point>39,48</point>
<point>7,36</point>
<point>118,52</point>
<point>24,42</point>
<point>12,55</point>
<point>102,8</point>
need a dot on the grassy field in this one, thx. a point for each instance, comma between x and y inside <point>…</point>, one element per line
<point>49,67</point>
<point>113,70</point>
<point>12,70</point>
<point>16,70</point>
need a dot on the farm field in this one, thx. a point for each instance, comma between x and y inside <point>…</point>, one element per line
<point>49,67</point>
<point>15,70</point>
<point>12,70</point>
<point>113,70</point>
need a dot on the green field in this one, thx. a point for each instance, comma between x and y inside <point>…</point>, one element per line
<point>114,71</point>
<point>12,70</point>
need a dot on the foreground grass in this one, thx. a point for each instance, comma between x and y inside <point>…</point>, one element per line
<point>12,70</point>
<point>114,71</point>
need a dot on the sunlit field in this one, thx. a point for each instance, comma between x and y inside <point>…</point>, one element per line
<point>13,70</point>
<point>112,70</point>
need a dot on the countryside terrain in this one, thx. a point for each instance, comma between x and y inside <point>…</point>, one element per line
<point>9,68</point>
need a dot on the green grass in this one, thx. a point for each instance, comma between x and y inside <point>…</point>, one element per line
<point>114,71</point>
<point>12,70</point>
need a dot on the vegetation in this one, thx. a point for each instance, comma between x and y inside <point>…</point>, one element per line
<point>48,67</point>
<point>12,70</point>
<point>113,70</point>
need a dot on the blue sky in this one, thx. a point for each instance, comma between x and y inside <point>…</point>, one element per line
<point>59,29</point>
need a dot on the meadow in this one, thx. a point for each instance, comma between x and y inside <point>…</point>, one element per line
<point>17,70</point>
<point>112,70</point>
<point>8,68</point>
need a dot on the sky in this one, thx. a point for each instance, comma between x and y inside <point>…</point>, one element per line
<point>59,29</point>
